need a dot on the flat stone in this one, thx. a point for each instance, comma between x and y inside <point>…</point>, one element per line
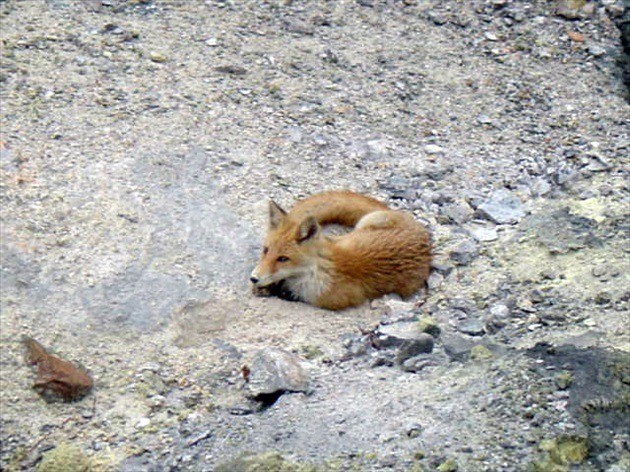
<point>472,327</point>
<point>426,324</point>
<point>435,280</point>
<point>275,371</point>
<point>483,234</point>
<point>434,149</point>
<point>456,346</point>
<point>561,231</point>
<point>413,347</point>
<point>395,334</point>
<point>458,212</point>
<point>464,252</point>
<point>421,361</point>
<point>502,207</point>
<point>481,353</point>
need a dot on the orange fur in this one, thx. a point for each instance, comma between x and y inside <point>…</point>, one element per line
<point>386,252</point>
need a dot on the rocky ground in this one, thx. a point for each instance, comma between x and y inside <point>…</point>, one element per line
<point>140,142</point>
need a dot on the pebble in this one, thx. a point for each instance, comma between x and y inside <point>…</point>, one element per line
<point>472,327</point>
<point>413,347</point>
<point>157,57</point>
<point>419,362</point>
<point>596,50</point>
<point>502,207</point>
<point>395,334</point>
<point>464,252</point>
<point>540,187</point>
<point>481,353</point>
<point>143,423</point>
<point>435,280</point>
<point>434,149</point>
<point>458,212</point>
<point>456,346</point>
<point>483,234</point>
<point>426,324</point>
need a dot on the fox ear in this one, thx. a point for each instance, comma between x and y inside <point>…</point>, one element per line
<point>276,214</point>
<point>308,229</point>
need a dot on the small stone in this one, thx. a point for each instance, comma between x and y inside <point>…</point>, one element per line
<point>442,266</point>
<point>437,17</point>
<point>435,280</point>
<point>481,353</point>
<point>143,423</point>
<point>472,327</point>
<point>456,346</point>
<point>563,380</point>
<point>157,57</point>
<point>413,430</point>
<point>464,252</point>
<point>483,234</point>
<point>541,187</point>
<point>500,311</point>
<point>426,324</point>
<point>413,347</point>
<point>573,9</point>
<point>421,361</point>
<point>458,212</point>
<point>448,465</point>
<point>434,149</point>
<point>491,36</point>
<point>398,309</point>
<point>395,334</point>
<point>525,304</point>
<point>502,207</point>
<point>212,42</point>
<point>596,50</point>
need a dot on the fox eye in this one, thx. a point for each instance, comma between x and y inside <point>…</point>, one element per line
<point>282,259</point>
<point>265,250</point>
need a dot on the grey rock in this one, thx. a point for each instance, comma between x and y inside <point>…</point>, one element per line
<point>434,149</point>
<point>596,50</point>
<point>458,212</point>
<point>395,334</point>
<point>483,233</point>
<point>382,359</point>
<point>561,231</point>
<point>399,187</point>
<point>500,311</point>
<point>456,346</point>
<point>275,370</point>
<point>421,361</point>
<point>574,9</point>
<point>413,347</point>
<point>438,17</point>
<point>502,208</point>
<point>442,266</point>
<point>398,309</point>
<point>435,280</point>
<point>464,252</point>
<point>540,187</point>
<point>472,327</point>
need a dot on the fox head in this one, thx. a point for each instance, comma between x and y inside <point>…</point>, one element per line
<point>288,248</point>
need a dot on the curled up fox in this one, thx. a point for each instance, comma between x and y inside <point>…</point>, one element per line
<point>386,251</point>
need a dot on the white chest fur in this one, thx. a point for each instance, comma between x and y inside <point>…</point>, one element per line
<point>310,284</point>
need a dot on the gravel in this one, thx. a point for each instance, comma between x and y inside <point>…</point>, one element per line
<point>140,142</point>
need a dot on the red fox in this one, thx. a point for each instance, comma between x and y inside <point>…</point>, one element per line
<point>387,251</point>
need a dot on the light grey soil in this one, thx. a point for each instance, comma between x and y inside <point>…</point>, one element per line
<point>141,140</point>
